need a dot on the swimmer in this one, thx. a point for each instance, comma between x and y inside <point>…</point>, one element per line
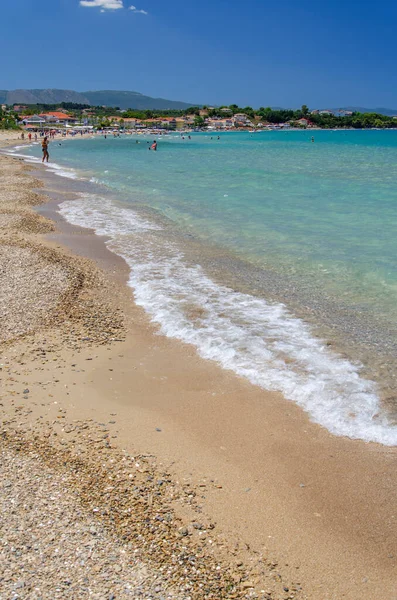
<point>312,139</point>
<point>44,147</point>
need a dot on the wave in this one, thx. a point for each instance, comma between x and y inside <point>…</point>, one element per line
<point>61,171</point>
<point>255,339</point>
<point>50,166</point>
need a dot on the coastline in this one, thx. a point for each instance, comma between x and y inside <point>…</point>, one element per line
<point>341,325</point>
<point>299,495</point>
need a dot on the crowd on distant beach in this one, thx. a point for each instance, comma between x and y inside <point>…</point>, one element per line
<point>50,135</point>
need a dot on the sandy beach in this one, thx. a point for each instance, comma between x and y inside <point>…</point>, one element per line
<point>179,479</point>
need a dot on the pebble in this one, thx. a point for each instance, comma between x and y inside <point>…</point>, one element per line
<point>140,548</point>
<point>97,527</point>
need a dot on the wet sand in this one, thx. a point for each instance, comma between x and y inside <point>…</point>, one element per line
<point>299,507</point>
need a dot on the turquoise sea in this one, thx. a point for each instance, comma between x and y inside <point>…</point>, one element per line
<point>272,255</point>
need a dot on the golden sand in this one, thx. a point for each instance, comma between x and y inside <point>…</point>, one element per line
<point>307,515</point>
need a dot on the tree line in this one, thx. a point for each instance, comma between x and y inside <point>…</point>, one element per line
<point>275,116</point>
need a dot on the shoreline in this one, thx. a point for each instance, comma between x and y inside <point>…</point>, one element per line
<point>262,450</point>
<point>366,342</point>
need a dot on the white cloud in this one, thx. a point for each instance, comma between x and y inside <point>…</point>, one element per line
<point>102,4</point>
<point>105,5</point>
<point>140,11</point>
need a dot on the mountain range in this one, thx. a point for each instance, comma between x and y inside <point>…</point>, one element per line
<point>112,98</point>
<point>389,112</point>
<point>124,100</point>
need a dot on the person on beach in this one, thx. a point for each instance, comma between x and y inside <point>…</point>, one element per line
<point>35,137</point>
<point>44,146</point>
<point>30,137</point>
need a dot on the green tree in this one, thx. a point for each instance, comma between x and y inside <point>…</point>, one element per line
<point>192,110</point>
<point>379,124</point>
<point>198,121</point>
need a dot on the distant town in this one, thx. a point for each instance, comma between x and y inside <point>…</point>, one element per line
<point>67,115</point>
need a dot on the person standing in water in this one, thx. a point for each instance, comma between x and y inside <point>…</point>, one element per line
<point>44,146</point>
<point>153,146</point>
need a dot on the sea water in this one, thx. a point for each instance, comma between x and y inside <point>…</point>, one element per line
<point>273,255</point>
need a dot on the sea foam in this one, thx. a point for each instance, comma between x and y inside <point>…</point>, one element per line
<point>50,166</point>
<point>261,341</point>
<point>61,171</point>
<point>258,340</point>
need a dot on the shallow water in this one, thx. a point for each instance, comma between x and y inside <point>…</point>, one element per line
<point>309,224</point>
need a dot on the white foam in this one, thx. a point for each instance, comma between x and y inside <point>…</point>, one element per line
<point>61,171</point>
<point>260,341</point>
<point>51,166</point>
<point>25,156</point>
<point>104,216</point>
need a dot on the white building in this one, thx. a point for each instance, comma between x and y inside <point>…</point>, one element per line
<point>34,120</point>
<point>241,119</point>
<point>344,113</point>
<point>219,123</point>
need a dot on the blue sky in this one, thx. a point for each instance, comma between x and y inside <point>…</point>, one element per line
<point>256,52</point>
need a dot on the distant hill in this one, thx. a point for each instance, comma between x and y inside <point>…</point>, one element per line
<point>50,96</point>
<point>132,100</point>
<point>389,112</point>
<point>125,99</point>
<point>99,98</point>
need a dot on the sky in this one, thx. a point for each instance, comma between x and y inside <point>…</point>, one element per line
<point>252,53</point>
